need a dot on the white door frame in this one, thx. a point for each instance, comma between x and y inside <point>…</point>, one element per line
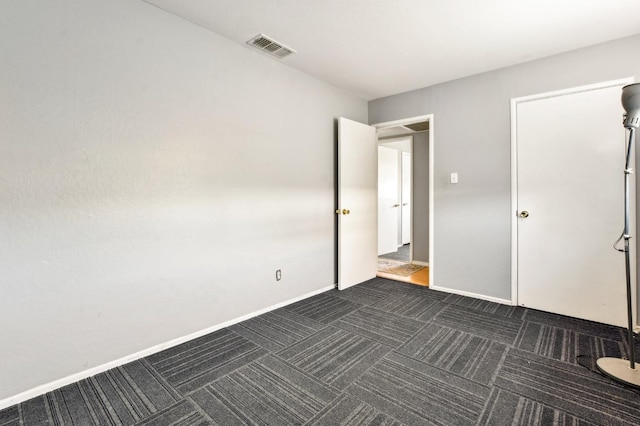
<point>385,143</point>
<point>514,164</point>
<point>412,120</point>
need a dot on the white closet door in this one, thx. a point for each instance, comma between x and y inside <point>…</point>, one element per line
<point>570,160</point>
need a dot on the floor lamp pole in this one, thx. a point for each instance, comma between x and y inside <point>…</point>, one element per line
<point>625,371</point>
<point>627,260</point>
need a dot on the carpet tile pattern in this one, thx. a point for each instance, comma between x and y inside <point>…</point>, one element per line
<point>200,361</point>
<point>506,409</point>
<point>324,307</point>
<point>491,326</point>
<point>566,345</point>
<point>268,391</point>
<point>466,355</point>
<point>182,413</point>
<point>572,389</point>
<point>335,356</point>
<point>380,353</point>
<point>362,295</point>
<point>120,396</point>
<point>348,410</point>
<point>485,306</point>
<point>376,324</point>
<point>417,393</point>
<point>277,330</point>
<point>409,304</point>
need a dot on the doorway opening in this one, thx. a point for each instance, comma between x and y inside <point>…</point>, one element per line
<point>405,199</point>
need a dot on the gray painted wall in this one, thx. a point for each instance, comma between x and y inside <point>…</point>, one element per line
<point>472,137</point>
<point>420,236</point>
<point>153,177</point>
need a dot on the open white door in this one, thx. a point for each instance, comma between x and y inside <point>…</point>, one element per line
<point>357,203</point>
<point>406,198</point>
<point>387,200</point>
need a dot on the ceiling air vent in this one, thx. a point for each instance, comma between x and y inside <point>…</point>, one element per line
<point>270,46</point>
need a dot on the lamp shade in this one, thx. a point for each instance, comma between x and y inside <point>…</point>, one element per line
<point>631,105</point>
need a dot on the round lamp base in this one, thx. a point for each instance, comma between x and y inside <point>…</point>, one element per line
<point>620,370</point>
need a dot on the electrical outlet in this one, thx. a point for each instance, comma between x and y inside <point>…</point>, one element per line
<point>278,274</point>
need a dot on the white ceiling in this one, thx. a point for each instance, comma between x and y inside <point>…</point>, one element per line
<point>377,48</point>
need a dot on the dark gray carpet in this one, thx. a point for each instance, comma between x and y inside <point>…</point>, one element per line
<point>381,353</point>
<point>402,254</point>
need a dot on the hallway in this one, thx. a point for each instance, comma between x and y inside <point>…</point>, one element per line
<point>395,266</point>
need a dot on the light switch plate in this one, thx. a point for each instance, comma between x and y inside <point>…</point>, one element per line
<point>454,178</point>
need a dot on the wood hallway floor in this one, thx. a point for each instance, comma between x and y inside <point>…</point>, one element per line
<point>420,277</point>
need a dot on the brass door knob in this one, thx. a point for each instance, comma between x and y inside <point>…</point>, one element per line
<point>524,214</point>
<point>338,211</point>
<point>345,211</point>
<point>396,205</point>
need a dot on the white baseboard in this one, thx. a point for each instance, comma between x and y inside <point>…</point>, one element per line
<point>474,295</point>
<point>420,263</point>
<point>56,384</point>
